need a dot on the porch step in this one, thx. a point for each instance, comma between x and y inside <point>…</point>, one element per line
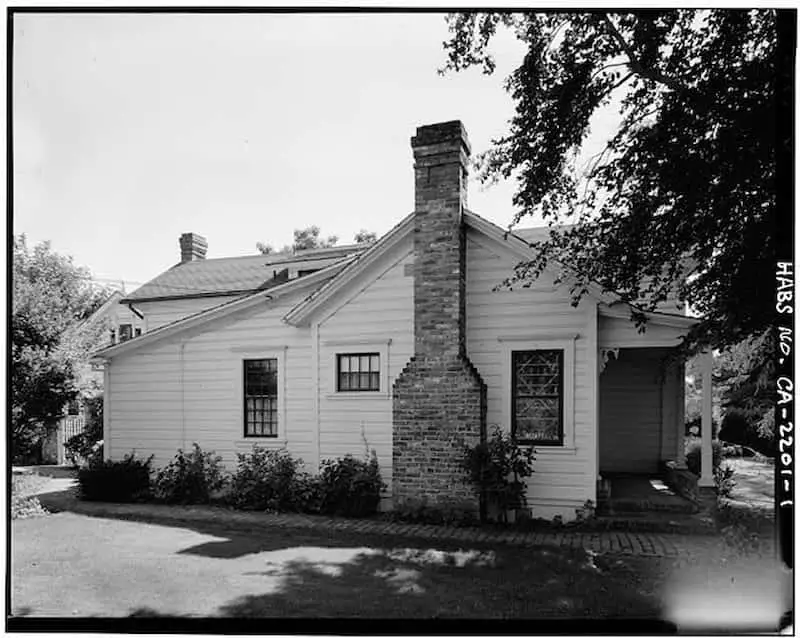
<point>630,505</point>
<point>655,522</point>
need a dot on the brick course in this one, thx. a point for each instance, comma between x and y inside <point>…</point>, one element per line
<point>439,400</point>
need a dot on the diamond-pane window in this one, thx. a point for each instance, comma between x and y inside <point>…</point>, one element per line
<point>537,402</point>
<point>261,397</point>
<point>358,372</point>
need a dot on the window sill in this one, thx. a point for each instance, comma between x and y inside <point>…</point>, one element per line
<point>266,441</point>
<point>360,396</point>
<point>556,450</point>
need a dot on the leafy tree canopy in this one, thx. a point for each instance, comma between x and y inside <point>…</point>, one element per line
<point>51,296</point>
<point>683,194</point>
<point>365,237</point>
<point>304,238</point>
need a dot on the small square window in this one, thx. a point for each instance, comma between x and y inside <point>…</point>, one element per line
<point>125,332</point>
<point>358,372</point>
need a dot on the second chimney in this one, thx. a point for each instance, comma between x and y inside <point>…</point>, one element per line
<point>193,247</point>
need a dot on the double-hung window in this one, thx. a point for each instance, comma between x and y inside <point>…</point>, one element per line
<point>537,396</point>
<point>261,397</point>
<point>358,372</point>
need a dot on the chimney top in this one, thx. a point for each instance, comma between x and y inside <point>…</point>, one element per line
<point>193,247</point>
<point>441,133</point>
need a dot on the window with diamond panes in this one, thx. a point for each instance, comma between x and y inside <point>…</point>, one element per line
<point>261,397</point>
<point>537,412</point>
<point>358,372</point>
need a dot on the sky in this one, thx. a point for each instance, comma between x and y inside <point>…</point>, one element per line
<point>130,129</point>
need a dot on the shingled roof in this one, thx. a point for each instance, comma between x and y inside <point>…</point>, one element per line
<point>235,275</point>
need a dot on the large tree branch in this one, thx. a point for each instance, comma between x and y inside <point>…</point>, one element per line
<point>636,66</point>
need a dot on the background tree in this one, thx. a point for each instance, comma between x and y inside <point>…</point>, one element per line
<point>365,237</point>
<point>50,297</point>
<point>304,238</point>
<point>682,198</point>
<point>690,171</point>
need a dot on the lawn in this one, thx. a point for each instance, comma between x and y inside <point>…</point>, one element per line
<point>68,564</point>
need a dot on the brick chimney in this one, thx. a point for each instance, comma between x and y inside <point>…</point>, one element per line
<point>193,247</point>
<point>439,400</point>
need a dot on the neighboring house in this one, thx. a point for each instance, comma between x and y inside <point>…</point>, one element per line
<point>111,323</point>
<point>408,347</point>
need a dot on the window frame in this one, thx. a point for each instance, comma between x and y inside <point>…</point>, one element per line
<point>559,440</point>
<point>329,378</point>
<point>370,371</point>
<point>244,395</point>
<point>561,340</point>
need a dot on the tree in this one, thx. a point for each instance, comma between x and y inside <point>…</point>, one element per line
<point>365,237</point>
<point>304,239</point>
<point>50,297</point>
<point>683,194</point>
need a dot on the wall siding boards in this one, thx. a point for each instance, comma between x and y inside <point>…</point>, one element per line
<point>562,479</point>
<point>378,317</point>
<point>159,313</point>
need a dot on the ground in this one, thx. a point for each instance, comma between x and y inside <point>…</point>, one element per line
<point>71,563</point>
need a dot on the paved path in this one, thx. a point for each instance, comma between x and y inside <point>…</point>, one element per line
<point>602,542</point>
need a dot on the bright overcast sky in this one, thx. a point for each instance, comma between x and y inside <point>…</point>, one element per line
<point>132,129</point>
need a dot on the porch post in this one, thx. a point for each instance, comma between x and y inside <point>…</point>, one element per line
<point>706,470</point>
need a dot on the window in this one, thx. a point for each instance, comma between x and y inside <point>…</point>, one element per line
<point>261,397</point>
<point>138,332</point>
<point>358,372</point>
<point>125,332</point>
<point>537,396</point>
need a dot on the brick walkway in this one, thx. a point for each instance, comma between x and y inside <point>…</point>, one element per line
<point>602,542</point>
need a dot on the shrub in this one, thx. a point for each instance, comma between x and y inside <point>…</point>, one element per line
<point>694,455</point>
<point>116,481</point>
<point>496,467</point>
<point>350,486</point>
<point>420,511</point>
<point>272,480</point>
<point>190,477</point>
<point>723,480</point>
<point>86,448</point>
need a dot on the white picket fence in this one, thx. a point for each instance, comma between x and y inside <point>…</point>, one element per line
<point>69,427</point>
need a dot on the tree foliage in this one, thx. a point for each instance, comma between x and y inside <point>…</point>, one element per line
<point>682,198</point>
<point>50,297</point>
<point>304,239</point>
<point>365,237</point>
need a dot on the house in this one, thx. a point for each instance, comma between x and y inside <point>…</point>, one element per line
<point>408,347</point>
<point>111,323</point>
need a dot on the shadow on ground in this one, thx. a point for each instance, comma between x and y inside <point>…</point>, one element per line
<point>299,572</point>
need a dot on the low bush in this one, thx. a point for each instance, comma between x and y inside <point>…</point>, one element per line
<point>123,481</point>
<point>350,486</point>
<point>694,454</point>
<point>272,480</point>
<point>86,448</point>
<point>190,477</point>
<point>451,514</point>
<point>497,469</point>
<point>723,480</point>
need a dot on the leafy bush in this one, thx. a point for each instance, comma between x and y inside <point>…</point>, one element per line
<point>272,480</point>
<point>190,477</point>
<point>723,480</point>
<point>694,455</point>
<point>497,468</point>
<point>420,511</point>
<point>87,447</point>
<point>123,481</point>
<point>350,486</point>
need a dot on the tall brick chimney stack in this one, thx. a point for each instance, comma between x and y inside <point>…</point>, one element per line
<point>439,399</point>
<point>193,247</point>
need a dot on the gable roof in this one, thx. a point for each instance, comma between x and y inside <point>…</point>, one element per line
<point>228,276</point>
<point>314,280</point>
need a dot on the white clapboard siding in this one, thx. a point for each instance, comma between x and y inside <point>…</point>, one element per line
<point>159,313</point>
<point>563,478</point>
<point>630,412</point>
<point>162,399</point>
<point>614,331</point>
<point>377,317</point>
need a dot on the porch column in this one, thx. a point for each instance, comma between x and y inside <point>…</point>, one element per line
<point>706,469</point>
